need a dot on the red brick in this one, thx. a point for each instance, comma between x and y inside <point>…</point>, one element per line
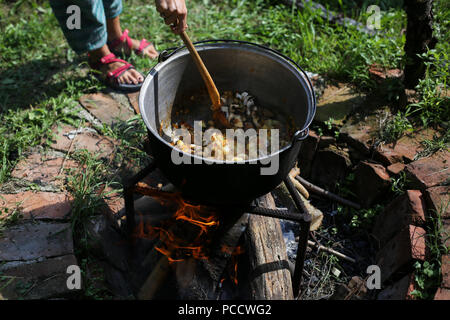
<point>330,165</point>
<point>42,169</point>
<point>408,245</point>
<point>407,209</point>
<point>438,201</point>
<point>354,290</point>
<point>392,154</point>
<point>38,205</point>
<point>359,133</point>
<point>403,150</point>
<point>133,98</point>
<point>48,279</point>
<point>307,153</point>
<point>105,108</point>
<point>442,294</point>
<point>371,181</point>
<point>37,239</point>
<point>380,73</point>
<point>91,141</point>
<point>114,202</point>
<point>429,172</point>
<point>400,290</point>
<point>396,168</point>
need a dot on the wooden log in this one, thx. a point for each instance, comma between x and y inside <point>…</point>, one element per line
<point>300,188</point>
<point>316,214</point>
<point>197,279</point>
<point>327,194</point>
<point>157,276</point>
<point>155,280</point>
<point>270,276</point>
<point>320,247</point>
<point>295,172</point>
<point>202,281</point>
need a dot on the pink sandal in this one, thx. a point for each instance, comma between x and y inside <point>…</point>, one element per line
<point>114,44</point>
<point>113,76</point>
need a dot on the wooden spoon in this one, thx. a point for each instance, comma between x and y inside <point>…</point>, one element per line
<point>218,115</point>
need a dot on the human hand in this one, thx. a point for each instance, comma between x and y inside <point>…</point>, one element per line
<point>174,13</point>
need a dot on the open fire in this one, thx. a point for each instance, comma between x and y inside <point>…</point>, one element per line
<point>202,246</point>
<point>187,234</point>
<point>233,270</point>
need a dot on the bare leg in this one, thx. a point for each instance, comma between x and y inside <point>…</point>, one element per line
<point>113,28</point>
<point>129,76</point>
<point>115,31</point>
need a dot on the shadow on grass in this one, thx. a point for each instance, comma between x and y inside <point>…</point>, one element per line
<point>34,81</point>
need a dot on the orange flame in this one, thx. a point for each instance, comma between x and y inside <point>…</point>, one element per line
<point>176,248</point>
<point>233,251</point>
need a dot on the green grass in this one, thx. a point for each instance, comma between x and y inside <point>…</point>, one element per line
<point>395,127</point>
<point>84,185</point>
<point>131,134</point>
<point>20,129</point>
<point>433,109</point>
<point>352,7</point>
<point>399,184</point>
<point>11,216</point>
<point>88,185</point>
<point>436,144</point>
<point>427,274</point>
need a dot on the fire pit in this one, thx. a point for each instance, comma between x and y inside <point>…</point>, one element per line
<point>215,250</point>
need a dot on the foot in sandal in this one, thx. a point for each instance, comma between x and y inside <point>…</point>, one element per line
<point>116,73</point>
<point>123,45</point>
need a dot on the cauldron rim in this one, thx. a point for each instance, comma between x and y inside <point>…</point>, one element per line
<point>182,51</point>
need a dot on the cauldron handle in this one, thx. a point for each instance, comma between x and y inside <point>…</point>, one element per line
<point>300,135</point>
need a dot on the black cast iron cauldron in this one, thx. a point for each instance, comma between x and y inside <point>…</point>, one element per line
<point>275,80</point>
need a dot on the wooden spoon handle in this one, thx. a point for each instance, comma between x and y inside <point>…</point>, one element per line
<point>212,89</point>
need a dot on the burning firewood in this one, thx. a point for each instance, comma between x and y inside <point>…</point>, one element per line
<point>189,247</point>
<point>155,280</point>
